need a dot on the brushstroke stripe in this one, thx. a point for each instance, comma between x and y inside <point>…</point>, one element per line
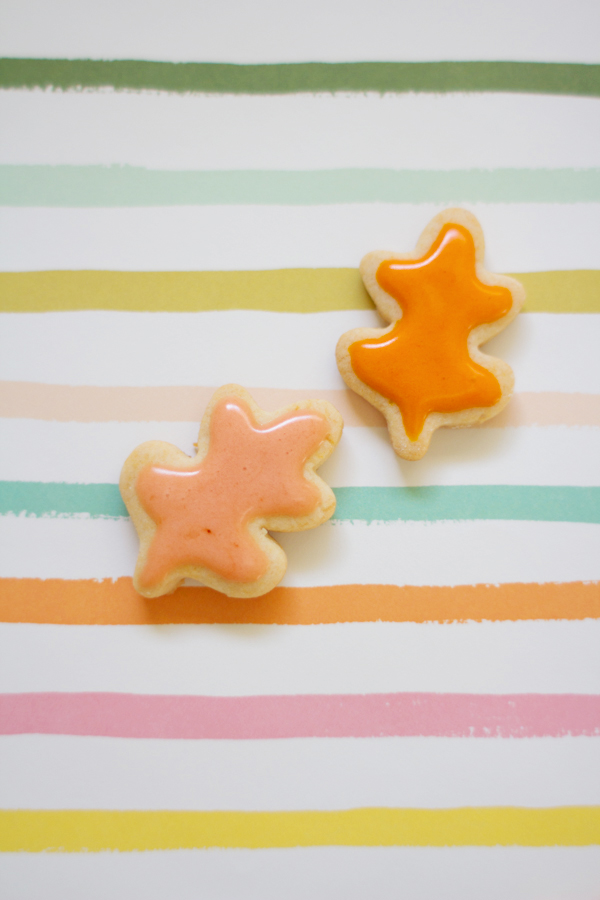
<point>286,78</point>
<point>85,403</point>
<point>39,498</point>
<point>88,403</point>
<point>93,831</point>
<point>369,504</point>
<point>123,185</point>
<point>318,715</point>
<point>454,503</point>
<point>276,290</point>
<point>110,601</point>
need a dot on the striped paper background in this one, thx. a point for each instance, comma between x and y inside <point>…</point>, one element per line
<point>186,191</point>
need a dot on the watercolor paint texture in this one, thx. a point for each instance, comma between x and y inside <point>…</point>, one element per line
<point>186,193</point>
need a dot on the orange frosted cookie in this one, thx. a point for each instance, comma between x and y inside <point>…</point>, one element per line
<point>426,370</point>
<point>207,517</point>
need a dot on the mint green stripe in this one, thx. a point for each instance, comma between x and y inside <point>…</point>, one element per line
<point>423,504</point>
<point>40,498</point>
<point>286,78</point>
<point>524,502</point>
<point>105,186</point>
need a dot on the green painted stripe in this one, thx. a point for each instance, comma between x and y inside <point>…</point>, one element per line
<point>371,504</point>
<point>109,186</point>
<point>287,78</point>
<point>275,290</point>
<point>41,498</point>
<point>524,502</point>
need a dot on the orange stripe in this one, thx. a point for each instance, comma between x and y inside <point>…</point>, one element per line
<point>116,603</point>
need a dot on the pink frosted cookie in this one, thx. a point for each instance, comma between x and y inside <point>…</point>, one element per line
<point>207,517</point>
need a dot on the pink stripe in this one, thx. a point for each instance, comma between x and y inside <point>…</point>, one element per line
<point>349,715</point>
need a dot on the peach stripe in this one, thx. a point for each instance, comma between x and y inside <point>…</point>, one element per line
<point>108,602</point>
<point>65,403</point>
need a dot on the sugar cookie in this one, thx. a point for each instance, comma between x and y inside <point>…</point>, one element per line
<point>207,517</point>
<point>426,370</point>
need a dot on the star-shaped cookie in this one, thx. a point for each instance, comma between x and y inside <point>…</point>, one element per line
<point>207,517</point>
<point>426,370</point>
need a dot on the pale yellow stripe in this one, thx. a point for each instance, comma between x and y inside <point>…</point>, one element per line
<point>75,831</point>
<point>278,290</point>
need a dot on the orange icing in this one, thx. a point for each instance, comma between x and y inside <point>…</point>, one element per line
<point>423,363</point>
<point>249,472</point>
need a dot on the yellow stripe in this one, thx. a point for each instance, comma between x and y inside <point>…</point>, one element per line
<point>75,831</point>
<point>283,290</point>
<point>576,291</point>
<point>278,290</point>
